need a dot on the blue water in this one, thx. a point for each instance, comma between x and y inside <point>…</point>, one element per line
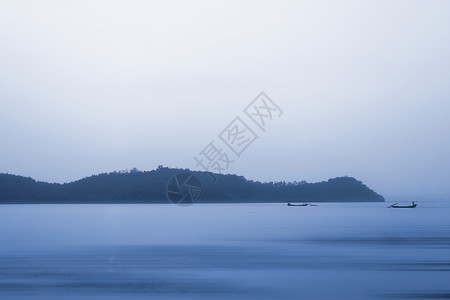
<point>225,251</point>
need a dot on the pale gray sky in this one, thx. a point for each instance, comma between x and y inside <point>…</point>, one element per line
<point>96,86</point>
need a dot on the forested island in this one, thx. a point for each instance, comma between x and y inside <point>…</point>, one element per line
<point>151,187</point>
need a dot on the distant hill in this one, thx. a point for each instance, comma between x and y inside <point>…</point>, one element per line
<point>150,187</point>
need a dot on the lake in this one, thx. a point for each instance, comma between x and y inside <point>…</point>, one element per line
<point>225,251</point>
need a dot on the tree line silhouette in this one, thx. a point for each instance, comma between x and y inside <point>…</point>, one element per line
<point>151,186</point>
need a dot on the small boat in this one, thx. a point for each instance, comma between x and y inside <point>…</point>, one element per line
<point>403,206</point>
<point>294,204</point>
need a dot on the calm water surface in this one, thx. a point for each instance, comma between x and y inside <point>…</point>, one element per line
<point>225,251</point>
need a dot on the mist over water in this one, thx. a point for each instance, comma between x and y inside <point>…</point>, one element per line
<point>225,251</point>
<point>361,89</point>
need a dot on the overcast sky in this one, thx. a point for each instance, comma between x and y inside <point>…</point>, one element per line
<point>96,86</point>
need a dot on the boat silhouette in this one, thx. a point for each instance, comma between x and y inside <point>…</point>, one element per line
<point>403,206</point>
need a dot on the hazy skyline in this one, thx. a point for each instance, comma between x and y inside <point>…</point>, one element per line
<point>95,86</point>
